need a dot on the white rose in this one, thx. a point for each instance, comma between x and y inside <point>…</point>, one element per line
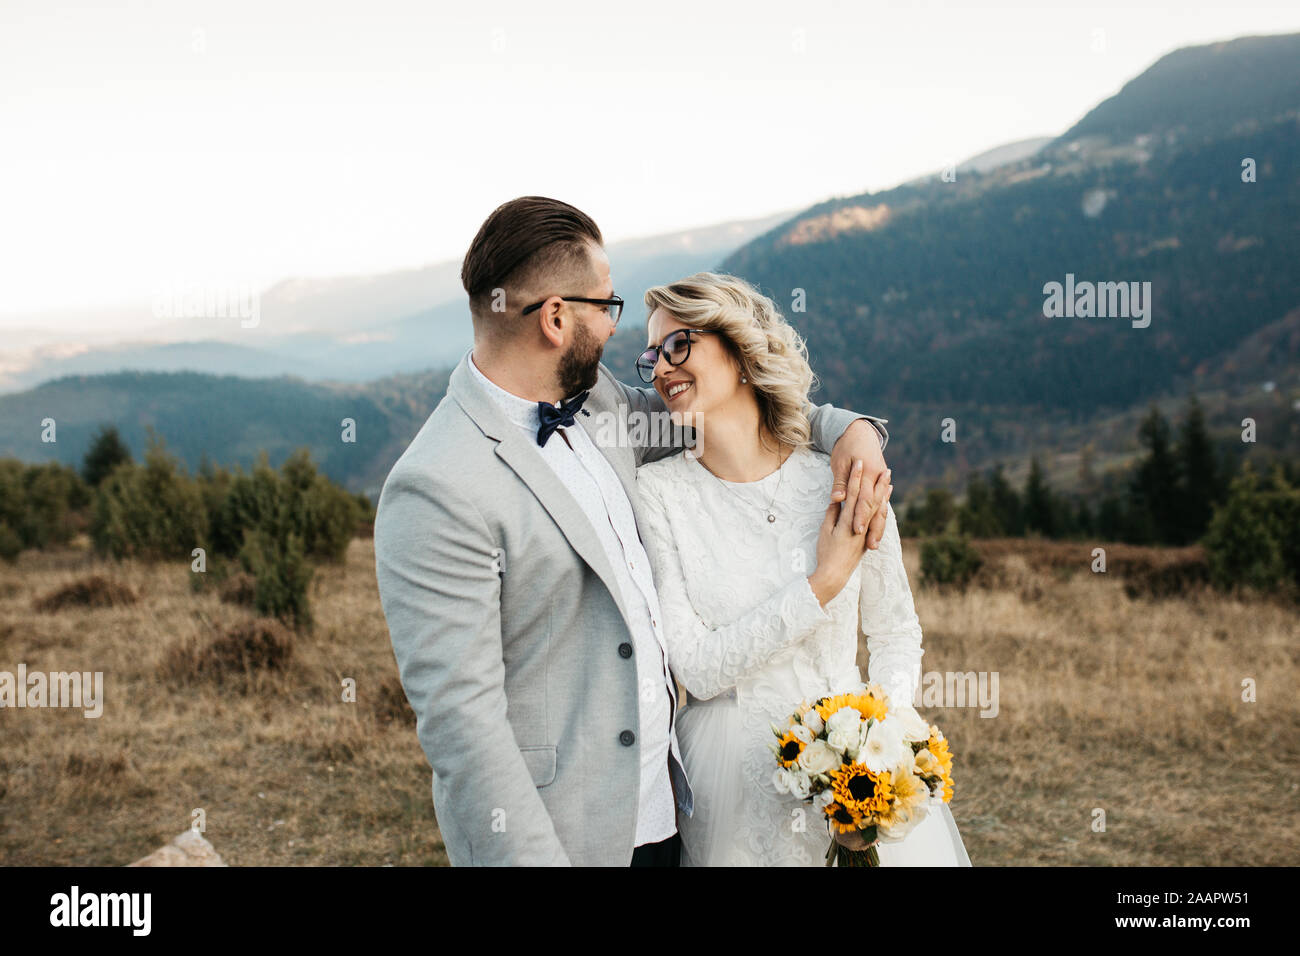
<point>841,741</point>
<point>800,785</point>
<point>818,757</point>
<point>845,720</point>
<point>781,780</point>
<point>813,721</point>
<point>822,799</point>
<point>882,746</point>
<point>802,733</point>
<point>914,726</point>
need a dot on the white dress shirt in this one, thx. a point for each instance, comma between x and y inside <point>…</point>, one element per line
<point>583,470</point>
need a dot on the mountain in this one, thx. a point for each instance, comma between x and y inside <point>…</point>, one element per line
<point>925,302</point>
<point>1204,92</point>
<point>352,328</point>
<point>930,301</point>
<point>227,419</point>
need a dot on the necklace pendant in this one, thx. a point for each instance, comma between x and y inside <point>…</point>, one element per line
<point>771,517</point>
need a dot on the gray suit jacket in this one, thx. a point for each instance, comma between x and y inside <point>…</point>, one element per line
<point>506,621</point>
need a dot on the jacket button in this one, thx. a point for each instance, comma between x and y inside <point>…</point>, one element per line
<point>627,738</point>
<point>625,650</point>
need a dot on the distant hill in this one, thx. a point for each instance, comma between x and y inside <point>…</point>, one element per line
<point>927,301</point>
<point>1206,92</point>
<point>228,419</point>
<point>353,328</point>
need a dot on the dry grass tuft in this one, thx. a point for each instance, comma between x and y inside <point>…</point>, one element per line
<point>391,706</point>
<point>235,652</point>
<point>240,588</point>
<point>93,591</point>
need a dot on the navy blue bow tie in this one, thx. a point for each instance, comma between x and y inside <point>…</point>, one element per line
<point>553,418</point>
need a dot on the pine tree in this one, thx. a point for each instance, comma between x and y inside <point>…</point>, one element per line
<point>1006,504</point>
<point>1201,480</point>
<point>106,452</point>
<point>976,516</point>
<point>1156,499</point>
<point>1039,515</point>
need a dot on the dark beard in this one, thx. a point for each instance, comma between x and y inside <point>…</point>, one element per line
<point>579,366</point>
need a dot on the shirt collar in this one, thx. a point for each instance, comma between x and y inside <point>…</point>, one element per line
<point>518,410</point>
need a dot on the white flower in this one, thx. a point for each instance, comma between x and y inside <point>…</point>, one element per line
<point>781,780</point>
<point>822,799</point>
<point>842,741</point>
<point>882,746</point>
<point>914,726</point>
<point>802,733</point>
<point>800,785</point>
<point>818,757</point>
<point>905,825</point>
<point>844,720</point>
<point>907,764</point>
<point>813,721</point>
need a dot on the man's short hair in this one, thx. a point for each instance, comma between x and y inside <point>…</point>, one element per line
<point>522,246</point>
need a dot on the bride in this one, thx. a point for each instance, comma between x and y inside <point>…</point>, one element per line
<point>761,586</point>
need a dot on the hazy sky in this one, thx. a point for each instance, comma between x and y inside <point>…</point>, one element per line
<point>143,144</point>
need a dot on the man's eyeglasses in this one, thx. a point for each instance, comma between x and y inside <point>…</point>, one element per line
<point>614,304</point>
<point>676,349</point>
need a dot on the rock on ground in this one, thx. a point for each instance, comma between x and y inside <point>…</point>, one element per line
<point>188,849</point>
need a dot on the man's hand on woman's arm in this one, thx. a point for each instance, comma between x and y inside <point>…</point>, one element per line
<point>861,441</point>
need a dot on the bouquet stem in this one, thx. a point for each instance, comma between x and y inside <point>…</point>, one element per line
<point>840,855</point>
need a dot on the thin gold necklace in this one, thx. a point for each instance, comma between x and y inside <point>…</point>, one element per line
<point>771,515</point>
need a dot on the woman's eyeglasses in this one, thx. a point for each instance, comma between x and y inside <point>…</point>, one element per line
<point>614,305</point>
<point>676,349</point>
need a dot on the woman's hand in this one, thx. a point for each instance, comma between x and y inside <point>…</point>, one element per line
<point>839,547</point>
<point>860,442</point>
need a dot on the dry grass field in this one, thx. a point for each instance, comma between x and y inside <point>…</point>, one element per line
<point>1130,705</point>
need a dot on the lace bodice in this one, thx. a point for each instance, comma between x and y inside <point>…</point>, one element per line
<point>740,616</point>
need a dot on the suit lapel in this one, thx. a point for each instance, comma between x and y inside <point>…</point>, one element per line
<point>521,453</point>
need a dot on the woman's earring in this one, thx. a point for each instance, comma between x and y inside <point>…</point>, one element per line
<point>743,380</point>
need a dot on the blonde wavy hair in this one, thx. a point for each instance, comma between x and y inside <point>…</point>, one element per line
<point>770,353</point>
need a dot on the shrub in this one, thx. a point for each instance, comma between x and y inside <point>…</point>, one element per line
<point>297,500</point>
<point>39,503</point>
<point>281,576</point>
<point>11,545</point>
<point>1254,536</point>
<point>948,560</point>
<point>932,516</point>
<point>154,510</point>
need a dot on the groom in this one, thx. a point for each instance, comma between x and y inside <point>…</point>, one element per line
<point>517,592</point>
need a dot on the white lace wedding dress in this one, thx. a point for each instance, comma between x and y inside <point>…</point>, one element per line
<point>749,641</point>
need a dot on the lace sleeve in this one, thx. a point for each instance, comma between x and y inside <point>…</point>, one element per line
<point>709,660</point>
<point>888,616</point>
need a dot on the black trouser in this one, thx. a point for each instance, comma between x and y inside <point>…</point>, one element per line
<point>664,853</point>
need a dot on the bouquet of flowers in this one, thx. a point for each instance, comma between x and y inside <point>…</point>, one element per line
<point>873,769</point>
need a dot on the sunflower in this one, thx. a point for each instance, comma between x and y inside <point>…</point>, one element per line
<point>938,745</point>
<point>788,749</point>
<point>869,707</point>
<point>862,792</point>
<point>841,818</point>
